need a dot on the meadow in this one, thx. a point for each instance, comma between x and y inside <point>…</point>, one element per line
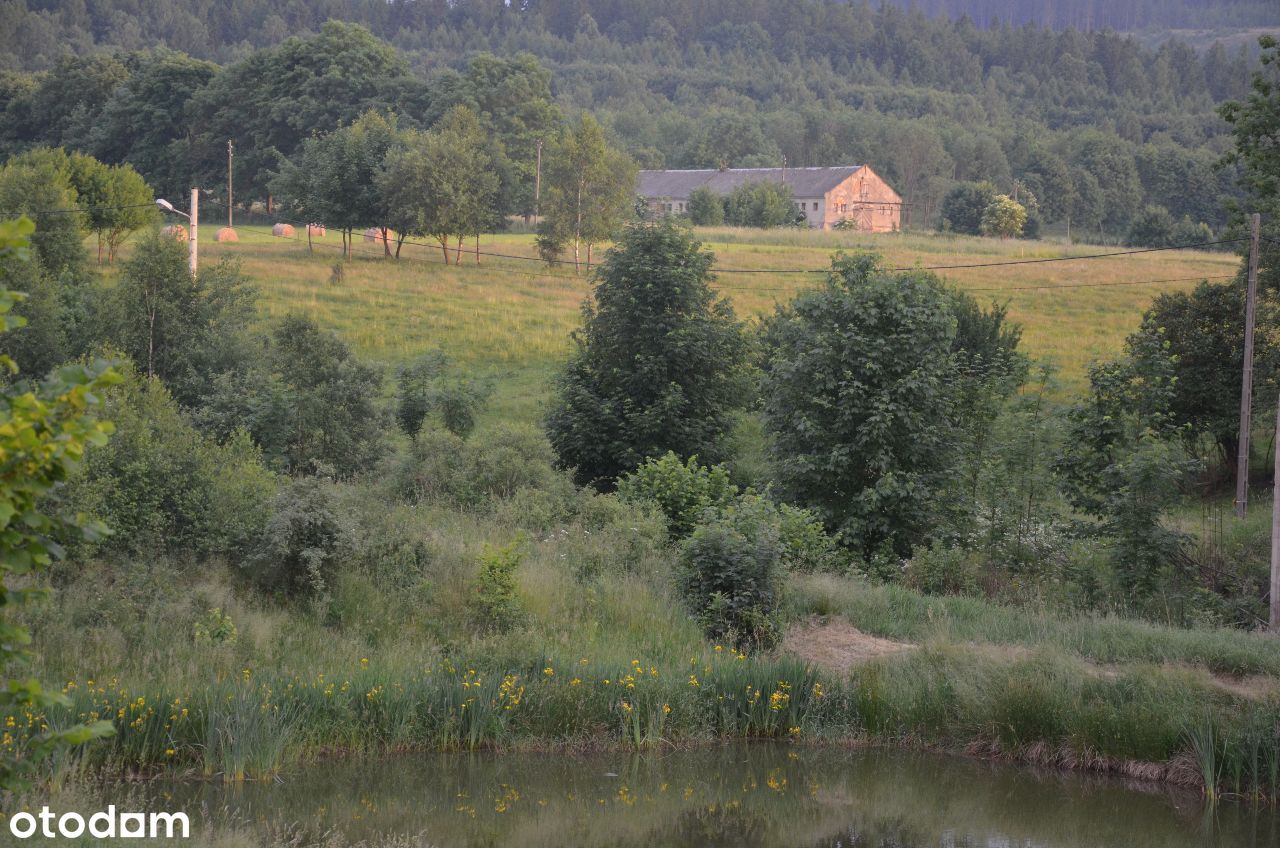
<point>509,319</point>
<point>204,676</point>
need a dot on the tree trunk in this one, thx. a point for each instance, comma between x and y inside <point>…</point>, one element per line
<point>151,344</point>
<point>386,243</point>
<point>99,248</point>
<point>577,231</point>
<point>444,248</point>
<point>457,254</point>
<point>310,249</point>
<point>588,257</point>
<point>399,244</point>
<point>477,248</point>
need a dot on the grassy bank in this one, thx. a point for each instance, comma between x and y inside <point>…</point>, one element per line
<point>205,676</point>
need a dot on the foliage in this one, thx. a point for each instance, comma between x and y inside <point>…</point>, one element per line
<point>587,189</point>
<point>301,544</point>
<point>309,400</point>
<point>181,329</point>
<point>442,183</point>
<point>423,388</point>
<point>494,601</point>
<point>1202,332</point>
<point>963,207</point>
<point>30,185</point>
<point>730,575</point>
<point>1155,227</point>
<point>496,465</point>
<point>1120,460</point>
<point>706,208</point>
<point>657,363</point>
<point>162,485</point>
<point>684,491</point>
<point>1003,217</point>
<point>858,401</point>
<point>44,433</point>
<point>1255,123</point>
<point>762,204</point>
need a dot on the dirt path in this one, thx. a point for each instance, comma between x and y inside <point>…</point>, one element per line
<point>836,646</point>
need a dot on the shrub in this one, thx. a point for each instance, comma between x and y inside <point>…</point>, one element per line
<point>491,467</point>
<point>942,570</point>
<point>493,602</point>
<point>299,547</point>
<point>706,208</point>
<point>684,491</point>
<point>424,387</point>
<point>730,575</point>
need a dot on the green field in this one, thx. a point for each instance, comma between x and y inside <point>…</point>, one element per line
<point>510,319</point>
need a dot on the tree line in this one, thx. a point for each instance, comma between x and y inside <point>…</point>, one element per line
<point>1105,127</point>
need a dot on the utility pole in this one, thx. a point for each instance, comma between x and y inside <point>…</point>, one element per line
<point>230,150</point>
<point>1246,378</point>
<point>192,249</point>
<point>537,186</point>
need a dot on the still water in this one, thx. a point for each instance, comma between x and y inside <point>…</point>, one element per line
<point>745,795</point>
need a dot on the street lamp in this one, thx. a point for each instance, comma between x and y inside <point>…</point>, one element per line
<point>193,217</point>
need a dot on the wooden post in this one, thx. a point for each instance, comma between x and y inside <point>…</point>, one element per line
<point>1246,378</point>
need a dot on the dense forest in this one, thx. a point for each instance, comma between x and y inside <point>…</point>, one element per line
<point>1092,125</point>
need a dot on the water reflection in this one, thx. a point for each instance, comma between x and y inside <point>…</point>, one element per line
<point>750,795</point>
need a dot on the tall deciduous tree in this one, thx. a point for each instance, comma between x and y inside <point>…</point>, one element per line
<point>587,188</point>
<point>442,183</point>
<point>858,400</point>
<point>658,362</point>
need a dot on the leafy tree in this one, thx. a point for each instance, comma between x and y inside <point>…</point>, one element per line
<point>858,402</point>
<point>1003,217</point>
<point>335,179</point>
<point>1255,124</point>
<point>144,121</point>
<point>685,491</point>
<point>657,363</point>
<point>442,183</point>
<point>964,206</point>
<point>273,100</point>
<point>116,200</point>
<point>763,204</point>
<point>310,406</point>
<point>181,329</point>
<point>44,434</point>
<point>706,208</point>
<point>587,189</point>
<point>35,184</point>
<point>1201,331</point>
<point>298,549</point>
<point>1121,463</point>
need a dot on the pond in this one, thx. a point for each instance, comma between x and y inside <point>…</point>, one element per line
<point>741,795</point>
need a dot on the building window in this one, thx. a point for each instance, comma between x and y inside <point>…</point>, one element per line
<point>815,206</point>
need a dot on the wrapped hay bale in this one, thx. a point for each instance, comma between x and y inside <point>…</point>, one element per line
<point>226,234</point>
<point>174,231</point>
<point>282,231</point>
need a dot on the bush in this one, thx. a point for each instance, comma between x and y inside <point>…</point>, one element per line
<point>942,570</point>
<point>493,600</point>
<point>706,208</point>
<point>298,549</point>
<point>491,467</point>
<point>684,491</point>
<point>761,205</point>
<point>424,387</point>
<point>161,485</point>
<point>730,575</point>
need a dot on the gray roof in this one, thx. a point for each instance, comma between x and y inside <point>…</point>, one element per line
<point>804,182</point>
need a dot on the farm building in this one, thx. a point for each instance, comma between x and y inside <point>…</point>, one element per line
<point>827,196</point>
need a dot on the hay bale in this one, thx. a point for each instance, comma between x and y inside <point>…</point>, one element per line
<point>282,230</point>
<point>373,234</point>
<point>174,231</point>
<point>226,234</point>
<point>315,230</point>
